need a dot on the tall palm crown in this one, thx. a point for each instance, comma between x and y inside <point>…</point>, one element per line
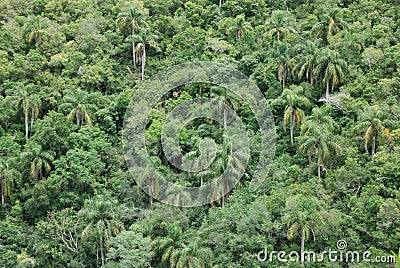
<point>101,214</point>
<point>302,217</point>
<point>282,54</point>
<point>34,29</point>
<point>293,100</point>
<point>329,69</point>
<point>29,103</point>
<point>280,24</point>
<point>40,160</point>
<point>371,124</point>
<point>130,19</point>
<point>8,174</point>
<point>145,37</point>
<point>330,23</point>
<point>240,27</point>
<point>191,256</point>
<point>80,105</point>
<point>305,60</point>
<point>317,137</point>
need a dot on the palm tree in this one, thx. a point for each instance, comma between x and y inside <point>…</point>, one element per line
<point>301,215</point>
<point>24,260</point>
<point>29,103</point>
<point>329,68</point>
<point>35,106</point>
<point>282,57</point>
<point>330,24</point>
<point>101,213</point>
<point>370,123</point>
<point>79,104</point>
<point>239,26</point>
<point>317,138</point>
<point>41,160</point>
<point>145,37</point>
<point>293,100</point>
<point>7,176</point>
<point>34,29</point>
<point>166,245</point>
<point>191,256</point>
<point>280,24</point>
<point>305,60</point>
<point>130,18</point>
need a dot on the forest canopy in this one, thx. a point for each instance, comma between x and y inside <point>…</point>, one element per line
<point>329,70</point>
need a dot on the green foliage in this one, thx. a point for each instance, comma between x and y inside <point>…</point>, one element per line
<point>68,70</point>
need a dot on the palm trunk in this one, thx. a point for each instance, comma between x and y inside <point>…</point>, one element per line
<point>318,163</point>
<point>143,60</point>
<point>225,114</point>
<point>373,144</point>
<point>33,116</point>
<point>133,47</point>
<point>319,171</point>
<point>302,246</point>
<point>292,121</point>
<point>327,91</point>
<point>78,117</point>
<point>312,75</point>
<point>26,126</point>
<point>2,192</point>
<point>150,182</point>
<point>284,76</point>
<point>101,251</point>
<point>97,256</point>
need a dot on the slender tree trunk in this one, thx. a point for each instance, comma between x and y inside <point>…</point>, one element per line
<point>101,251</point>
<point>33,116</point>
<point>225,114</point>
<point>97,255</point>
<point>26,126</point>
<point>302,246</point>
<point>143,60</point>
<point>277,35</point>
<point>318,163</point>
<point>78,117</point>
<point>292,122</point>
<point>373,144</point>
<point>150,181</point>
<point>284,76</point>
<point>133,46</point>
<point>366,147</point>
<point>319,170</point>
<point>2,192</point>
<point>327,91</point>
<point>312,75</point>
<point>220,4</point>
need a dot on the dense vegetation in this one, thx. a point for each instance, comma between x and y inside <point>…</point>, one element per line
<point>68,69</point>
